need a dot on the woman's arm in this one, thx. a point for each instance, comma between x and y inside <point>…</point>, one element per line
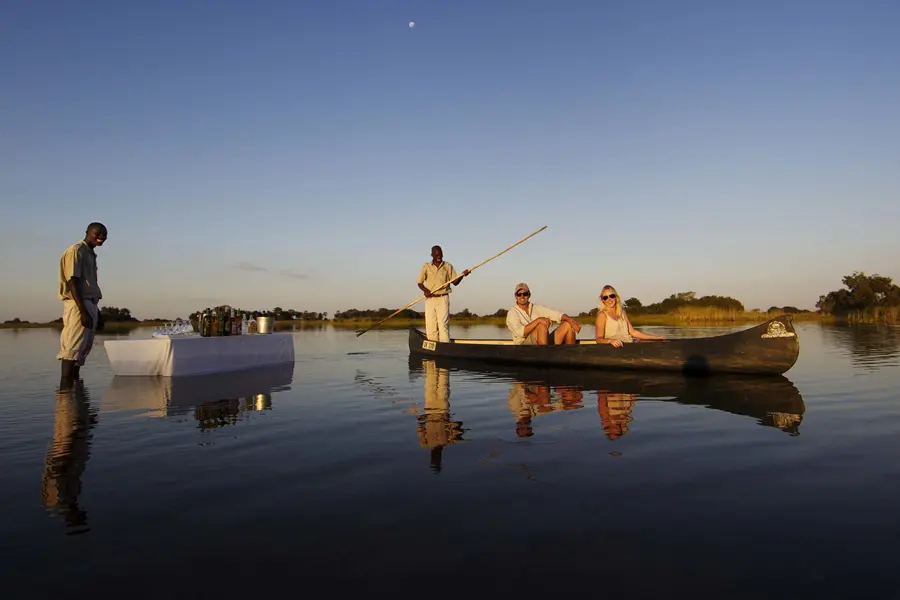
<point>640,335</point>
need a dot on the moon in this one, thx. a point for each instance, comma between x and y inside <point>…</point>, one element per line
<point>412,24</point>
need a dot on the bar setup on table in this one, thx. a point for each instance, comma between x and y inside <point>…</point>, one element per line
<point>226,342</point>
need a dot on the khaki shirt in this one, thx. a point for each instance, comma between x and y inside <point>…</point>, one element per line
<point>434,277</point>
<point>79,260</point>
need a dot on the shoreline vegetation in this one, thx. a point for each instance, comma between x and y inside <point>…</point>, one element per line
<point>863,299</point>
<point>685,317</point>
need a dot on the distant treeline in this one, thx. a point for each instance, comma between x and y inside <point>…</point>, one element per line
<point>112,314</point>
<point>864,298</point>
<point>674,303</point>
<point>671,305</point>
<point>277,313</point>
<point>354,314</point>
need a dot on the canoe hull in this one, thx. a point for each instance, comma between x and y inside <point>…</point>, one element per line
<point>770,348</point>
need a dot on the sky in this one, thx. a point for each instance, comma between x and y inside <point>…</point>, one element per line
<point>308,154</point>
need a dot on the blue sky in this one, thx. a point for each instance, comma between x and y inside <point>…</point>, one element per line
<point>309,154</point>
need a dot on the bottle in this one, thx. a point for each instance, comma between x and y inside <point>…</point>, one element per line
<point>226,324</point>
<point>235,322</point>
<point>252,325</point>
<point>204,324</point>
<point>245,322</point>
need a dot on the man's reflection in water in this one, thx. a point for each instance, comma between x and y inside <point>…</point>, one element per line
<point>615,413</point>
<point>434,427</point>
<point>528,400</point>
<point>67,456</point>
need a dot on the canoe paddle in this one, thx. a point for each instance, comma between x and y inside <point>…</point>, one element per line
<point>399,310</point>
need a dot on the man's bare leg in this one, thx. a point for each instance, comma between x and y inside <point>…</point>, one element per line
<point>564,334</point>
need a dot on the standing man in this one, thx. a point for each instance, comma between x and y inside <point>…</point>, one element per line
<point>437,305</point>
<point>530,323</point>
<point>80,294</point>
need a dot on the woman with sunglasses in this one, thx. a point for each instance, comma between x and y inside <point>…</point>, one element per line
<point>613,326</point>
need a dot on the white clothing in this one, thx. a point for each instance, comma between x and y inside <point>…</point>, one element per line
<point>517,319</point>
<point>617,329</point>
<point>437,318</point>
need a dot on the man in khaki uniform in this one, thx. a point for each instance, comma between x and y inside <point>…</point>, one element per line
<point>80,294</point>
<point>432,276</point>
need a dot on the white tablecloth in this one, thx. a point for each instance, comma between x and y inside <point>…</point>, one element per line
<point>195,355</point>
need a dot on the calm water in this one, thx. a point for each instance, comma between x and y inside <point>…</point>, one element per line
<point>359,465</point>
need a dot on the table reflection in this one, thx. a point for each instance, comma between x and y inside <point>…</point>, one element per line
<point>67,457</point>
<point>214,400</point>
<point>434,426</point>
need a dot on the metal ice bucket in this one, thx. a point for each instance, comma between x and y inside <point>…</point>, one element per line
<point>264,325</point>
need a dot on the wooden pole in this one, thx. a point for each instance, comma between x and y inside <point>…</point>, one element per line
<point>399,310</point>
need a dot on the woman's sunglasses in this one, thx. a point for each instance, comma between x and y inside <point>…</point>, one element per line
<point>613,296</point>
<point>523,293</point>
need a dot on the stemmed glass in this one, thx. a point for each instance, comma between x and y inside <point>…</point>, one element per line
<point>174,328</point>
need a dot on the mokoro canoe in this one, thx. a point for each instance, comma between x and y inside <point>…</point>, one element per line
<point>770,348</point>
<point>773,401</point>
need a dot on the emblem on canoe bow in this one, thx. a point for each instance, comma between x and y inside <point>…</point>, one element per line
<point>428,345</point>
<point>777,330</point>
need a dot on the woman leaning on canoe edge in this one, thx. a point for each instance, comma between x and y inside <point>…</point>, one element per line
<point>613,326</point>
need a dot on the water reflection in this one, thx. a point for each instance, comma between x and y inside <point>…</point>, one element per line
<point>214,400</point>
<point>870,346</point>
<point>67,457</point>
<point>434,426</point>
<point>615,412</point>
<point>773,401</point>
<point>529,399</point>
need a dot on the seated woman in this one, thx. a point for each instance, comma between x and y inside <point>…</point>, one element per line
<point>613,326</point>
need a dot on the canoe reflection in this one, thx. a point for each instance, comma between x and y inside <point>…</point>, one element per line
<point>215,400</point>
<point>773,400</point>
<point>434,426</point>
<point>67,456</point>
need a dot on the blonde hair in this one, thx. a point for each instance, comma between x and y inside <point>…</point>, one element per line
<point>618,309</point>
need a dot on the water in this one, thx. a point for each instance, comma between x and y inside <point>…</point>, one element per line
<point>358,465</point>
